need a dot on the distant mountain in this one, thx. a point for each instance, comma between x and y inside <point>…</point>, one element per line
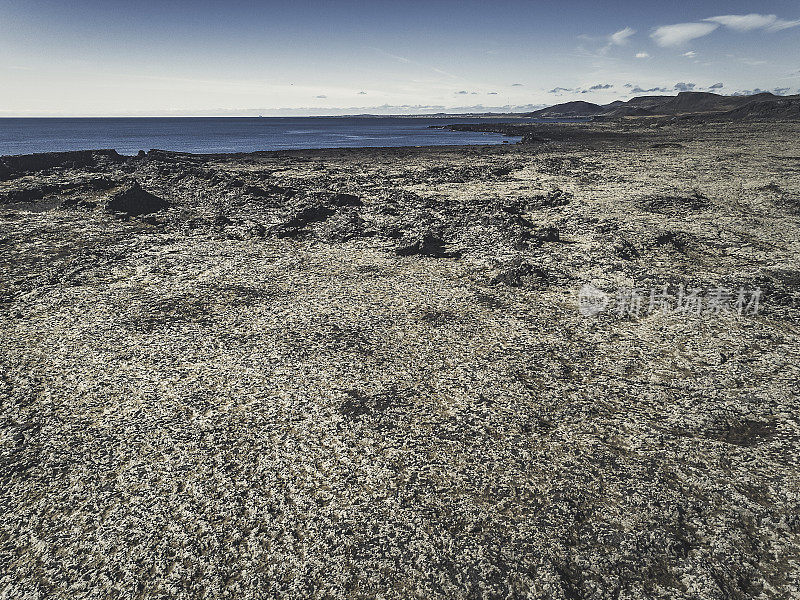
<point>570,109</point>
<point>685,103</point>
<point>787,107</point>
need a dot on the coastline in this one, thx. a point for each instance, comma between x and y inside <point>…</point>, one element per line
<point>229,134</point>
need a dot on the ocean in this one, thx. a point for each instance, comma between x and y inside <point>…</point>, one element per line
<point>231,134</point>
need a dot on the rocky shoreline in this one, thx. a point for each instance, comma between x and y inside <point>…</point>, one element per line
<point>364,373</point>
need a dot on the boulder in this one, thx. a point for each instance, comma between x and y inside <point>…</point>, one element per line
<point>346,200</point>
<point>426,244</point>
<point>518,273</point>
<point>135,201</point>
<point>309,214</point>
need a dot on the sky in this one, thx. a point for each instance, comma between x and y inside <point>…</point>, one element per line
<point>203,57</point>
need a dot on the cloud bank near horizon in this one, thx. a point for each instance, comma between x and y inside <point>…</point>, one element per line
<point>327,111</point>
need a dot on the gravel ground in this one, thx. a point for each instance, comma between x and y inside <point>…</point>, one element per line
<point>364,373</point>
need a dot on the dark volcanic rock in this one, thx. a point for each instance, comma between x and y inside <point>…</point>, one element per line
<point>255,229</point>
<point>291,232</point>
<point>553,198</point>
<point>426,244</point>
<point>78,203</point>
<point>32,192</point>
<point>308,215</point>
<point>221,221</point>
<point>546,234</point>
<point>135,201</point>
<point>296,226</point>
<point>695,202</point>
<point>358,405</point>
<point>346,226</point>
<point>346,200</point>
<point>677,240</point>
<point>624,248</point>
<point>28,193</point>
<point>13,166</point>
<point>517,273</point>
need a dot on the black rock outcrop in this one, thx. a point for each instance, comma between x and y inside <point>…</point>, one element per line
<point>135,201</point>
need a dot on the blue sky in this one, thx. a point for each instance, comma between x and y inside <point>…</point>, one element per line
<point>82,57</point>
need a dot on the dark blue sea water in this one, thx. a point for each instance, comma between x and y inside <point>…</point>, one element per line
<point>230,134</point>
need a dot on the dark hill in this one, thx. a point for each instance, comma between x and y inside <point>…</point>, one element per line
<point>690,102</point>
<point>780,108</point>
<point>685,103</point>
<point>577,108</point>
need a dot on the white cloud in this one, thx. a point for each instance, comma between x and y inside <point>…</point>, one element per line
<point>680,33</point>
<point>744,22</point>
<point>620,38</point>
<point>780,24</point>
<point>753,21</point>
<point>642,55</point>
<point>690,54</point>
